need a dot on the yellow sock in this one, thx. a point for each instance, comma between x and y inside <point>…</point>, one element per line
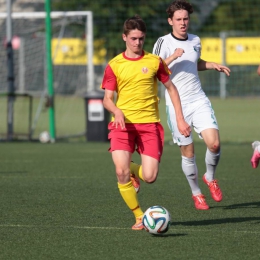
<point>129,195</point>
<point>137,170</point>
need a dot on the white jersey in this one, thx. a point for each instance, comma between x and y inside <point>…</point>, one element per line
<point>184,69</point>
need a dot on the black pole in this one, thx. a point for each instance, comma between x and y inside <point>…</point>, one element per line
<point>11,90</point>
<point>10,67</point>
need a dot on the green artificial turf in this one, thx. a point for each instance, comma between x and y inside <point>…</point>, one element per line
<point>61,201</point>
<point>238,118</point>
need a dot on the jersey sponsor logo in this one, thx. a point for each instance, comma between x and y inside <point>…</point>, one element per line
<point>144,70</point>
<point>196,48</point>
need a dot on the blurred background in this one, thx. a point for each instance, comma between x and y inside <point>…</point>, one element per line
<point>229,31</point>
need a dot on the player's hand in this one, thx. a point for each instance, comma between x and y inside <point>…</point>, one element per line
<point>178,53</point>
<point>119,119</point>
<point>221,68</point>
<point>184,128</point>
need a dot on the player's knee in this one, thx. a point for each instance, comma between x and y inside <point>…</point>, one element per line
<point>214,147</point>
<point>122,174</point>
<point>150,178</point>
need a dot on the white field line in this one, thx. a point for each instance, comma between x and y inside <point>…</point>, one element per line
<point>72,227</point>
<point>172,230</point>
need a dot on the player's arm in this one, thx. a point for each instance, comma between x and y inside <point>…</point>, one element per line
<point>108,102</point>
<point>258,70</point>
<point>109,83</point>
<point>177,53</point>
<point>161,50</point>
<point>183,126</point>
<point>163,75</point>
<point>207,65</point>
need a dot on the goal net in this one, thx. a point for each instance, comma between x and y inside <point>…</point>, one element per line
<point>73,72</point>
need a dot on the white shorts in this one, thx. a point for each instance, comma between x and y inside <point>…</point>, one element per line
<point>199,115</point>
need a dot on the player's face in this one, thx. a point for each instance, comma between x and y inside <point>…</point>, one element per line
<point>134,42</point>
<point>180,23</point>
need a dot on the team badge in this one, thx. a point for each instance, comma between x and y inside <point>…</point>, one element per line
<point>144,70</point>
<point>196,48</point>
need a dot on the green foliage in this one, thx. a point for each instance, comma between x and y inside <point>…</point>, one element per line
<point>109,17</point>
<point>234,15</point>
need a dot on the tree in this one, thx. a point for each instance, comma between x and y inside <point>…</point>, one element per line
<point>233,15</point>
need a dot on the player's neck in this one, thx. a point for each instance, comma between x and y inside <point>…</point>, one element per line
<point>181,37</point>
<point>133,55</point>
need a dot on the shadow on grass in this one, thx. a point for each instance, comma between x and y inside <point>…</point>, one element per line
<point>168,235</point>
<point>14,172</point>
<point>215,221</point>
<point>243,205</point>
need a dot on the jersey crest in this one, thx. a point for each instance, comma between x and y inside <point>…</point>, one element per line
<point>145,70</point>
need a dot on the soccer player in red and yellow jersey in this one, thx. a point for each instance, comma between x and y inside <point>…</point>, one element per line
<point>135,124</point>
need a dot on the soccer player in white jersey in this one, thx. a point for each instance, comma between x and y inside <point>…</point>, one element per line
<point>256,144</point>
<point>256,154</point>
<point>181,52</point>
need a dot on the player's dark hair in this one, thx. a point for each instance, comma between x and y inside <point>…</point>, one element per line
<point>133,23</point>
<point>179,5</point>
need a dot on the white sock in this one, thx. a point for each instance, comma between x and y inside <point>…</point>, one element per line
<point>190,170</point>
<point>256,146</point>
<point>211,160</point>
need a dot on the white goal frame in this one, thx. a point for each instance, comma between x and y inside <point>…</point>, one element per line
<point>88,30</point>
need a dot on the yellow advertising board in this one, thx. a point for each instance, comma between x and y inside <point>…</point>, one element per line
<point>211,49</point>
<point>239,50</point>
<point>243,51</point>
<point>72,51</point>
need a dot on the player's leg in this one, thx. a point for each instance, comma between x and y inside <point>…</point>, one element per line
<point>122,160</point>
<point>256,154</point>
<point>205,123</point>
<point>189,167</point>
<point>136,170</point>
<point>190,170</point>
<point>211,139</point>
<point>188,161</point>
<point>150,143</point>
<point>136,174</point>
<point>122,143</point>
<point>150,168</point>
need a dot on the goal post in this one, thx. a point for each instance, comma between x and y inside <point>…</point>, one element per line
<point>55,15</point>
<point>72,80</point>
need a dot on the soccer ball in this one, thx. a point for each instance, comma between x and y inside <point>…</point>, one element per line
<point>44,137</point>
<point>156,220</point>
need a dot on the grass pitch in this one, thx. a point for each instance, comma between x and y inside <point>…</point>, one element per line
<point>61,202</point>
